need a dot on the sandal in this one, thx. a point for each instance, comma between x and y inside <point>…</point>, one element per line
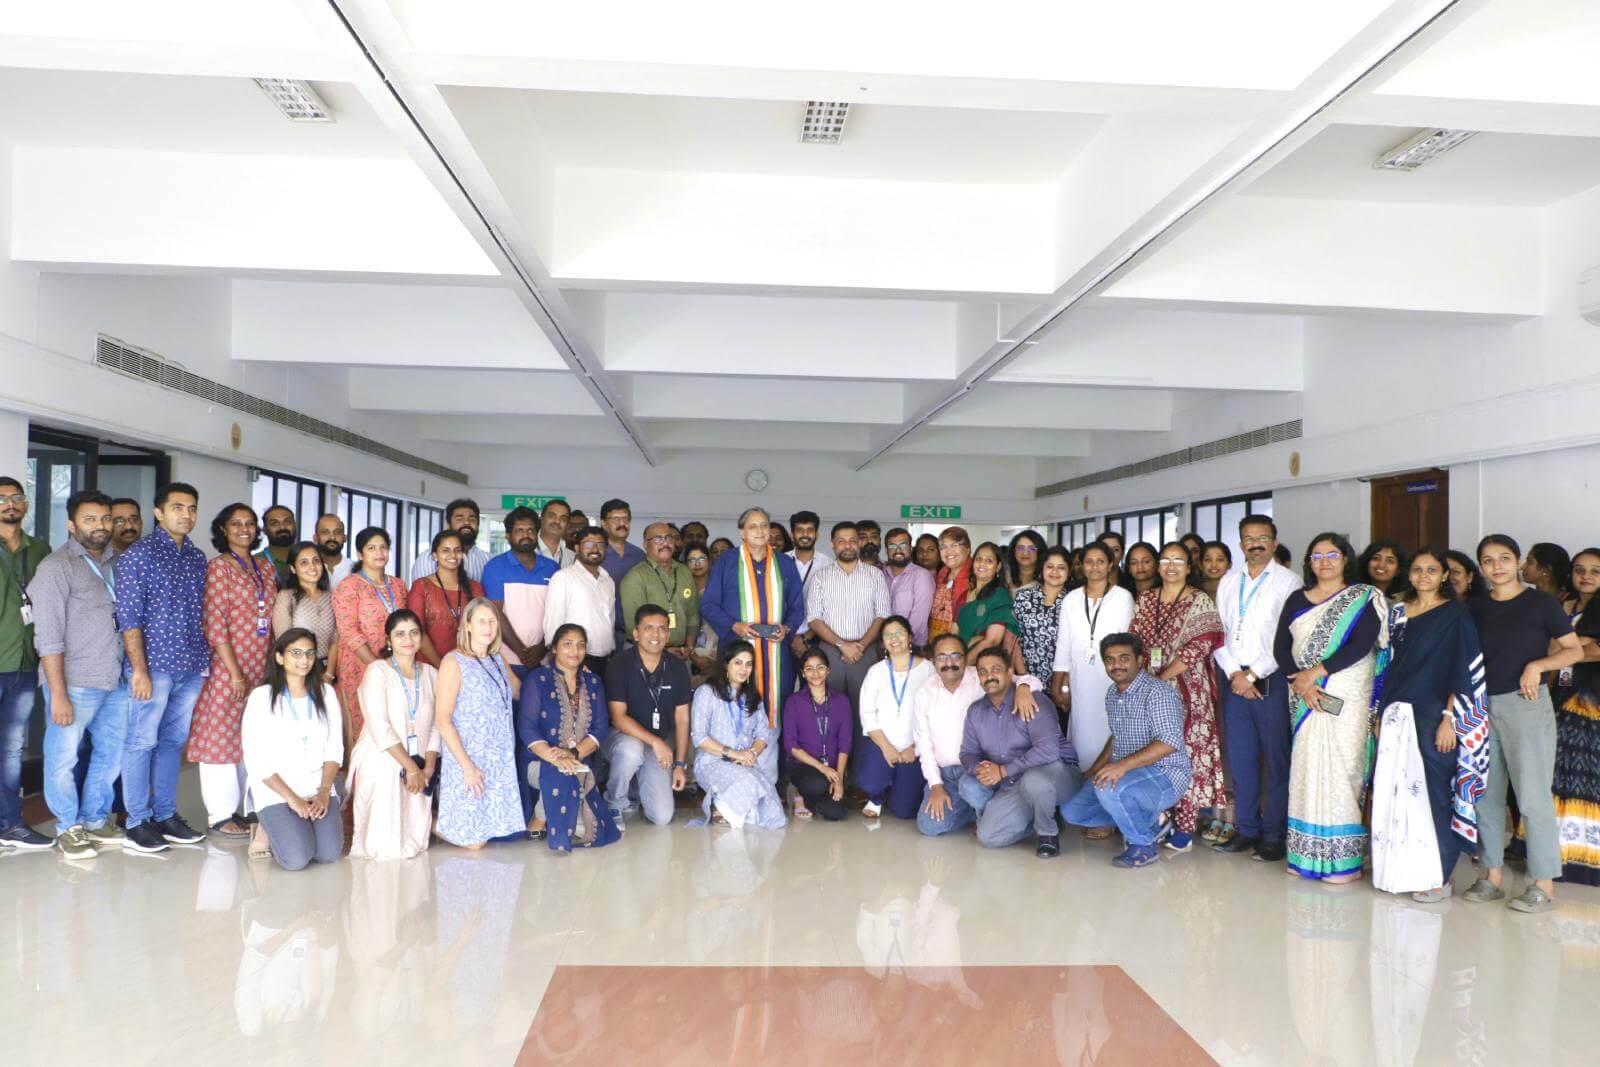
<point>1431,896</point>
<point>260,846</point>
<point>800,809</point>
<point>240,830</point>
<point>1098,833</point>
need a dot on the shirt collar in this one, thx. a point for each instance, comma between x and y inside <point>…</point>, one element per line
<point>74,548</point>
<point>1140,683</point>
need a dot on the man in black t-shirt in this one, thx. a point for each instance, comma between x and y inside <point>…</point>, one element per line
<point>648,693</point>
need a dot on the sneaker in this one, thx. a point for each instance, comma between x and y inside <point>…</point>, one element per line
<point>871,809</point>
<point>1136,856</point>
<point>1269,852</point>
<point>1180,842</point>
<point>1482,891</point>
<point>1532,901</point>
<point>110,835</point>
<point>1049,846</point>
<point>145,838</point>
<point>24,839</point>
<point>1239,843</point>
<point>75,844</point>
<point>177,832</point>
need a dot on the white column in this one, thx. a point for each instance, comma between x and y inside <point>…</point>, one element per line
<point>13,444</point>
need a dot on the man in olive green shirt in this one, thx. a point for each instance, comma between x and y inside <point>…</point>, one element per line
<point>663,581</point>
<point>20,556</point>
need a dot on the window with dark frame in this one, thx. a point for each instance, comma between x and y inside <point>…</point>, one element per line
<point>1218,519</point>
<point>301,495</point>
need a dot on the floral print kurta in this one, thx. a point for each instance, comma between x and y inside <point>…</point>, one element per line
<point>235,601</point>
<point>361,613</point>
<point>1189,630</point>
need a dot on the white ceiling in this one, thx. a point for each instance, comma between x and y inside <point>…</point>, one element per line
<point>723,284</point>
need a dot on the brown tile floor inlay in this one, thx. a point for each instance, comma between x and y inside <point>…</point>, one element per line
<point>842,1017</point>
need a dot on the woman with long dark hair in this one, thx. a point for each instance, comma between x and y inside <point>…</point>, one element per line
<point>1216,559</point>
<point>1078,682</point>
<point>926,553</point>
<point>237,618</point>
<point>1383,565</point>
<point>362,605</point>
<point>1023,558</point>
<point>1577,696</point>
<point>1140,563</point>
<point>393,761</point>
<point>1518,627</point>
<point>562,718</point>
<point>1038,612</point>
<point>293,744</point>
<point>731,735</point>
<point>1548,569</point>
<point>439,598</point>
<point>1433,740</point>
<point>1465,580</point>
<point>985,617</point>
<point>818,731</point>
<point>307,602</point>
<point>1329,637</point>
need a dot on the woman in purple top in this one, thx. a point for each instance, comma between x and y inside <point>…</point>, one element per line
<point>817,732</point>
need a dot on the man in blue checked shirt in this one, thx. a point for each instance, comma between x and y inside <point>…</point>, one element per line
<point>161,582</point>
<point>1144,768</point>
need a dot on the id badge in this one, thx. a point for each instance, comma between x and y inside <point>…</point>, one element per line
<point>261,625</point>
<point>672,620</point>
<point>1157,658</point>
<point>27,613</point>
<point>655,720</point>
<point>411,745</point>
<point>1564,677</point>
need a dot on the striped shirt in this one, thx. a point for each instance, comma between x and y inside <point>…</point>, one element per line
<point>425,564</point>
<point>847,602</point>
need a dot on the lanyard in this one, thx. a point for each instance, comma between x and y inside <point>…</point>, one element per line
<point>108,580</point>
<point>821,712</point>
<point>1093,620</point>
<point>899,693</point>
<point>461,598</point>
<point>1244,602</point>
<point>259,582</point>
<point>654,688</point>
<point>738,724</point>
<point>413,696</point>
<point>384,596</point>
<point>666,590</point>
<point>17,566</point>
<point>500,682</point>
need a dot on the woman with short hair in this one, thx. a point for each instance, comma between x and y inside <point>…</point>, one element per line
<point>362,605</point>
<point>1023,557</point>
<point>393,762</point>
<point>952,581</point>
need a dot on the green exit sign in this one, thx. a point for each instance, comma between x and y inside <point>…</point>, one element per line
<point>927,512</point>
<point>537,503</point>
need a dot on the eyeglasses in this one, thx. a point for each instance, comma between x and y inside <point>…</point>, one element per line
<point>1026,549</point>
<point>1174,563</point>
<point>300,653</point>
<point>813,668</point>
<point>1326,557</point>
<point>14,498</point>
<point>948,657</point>
<point>1260,539</point>
<point>660,539</point>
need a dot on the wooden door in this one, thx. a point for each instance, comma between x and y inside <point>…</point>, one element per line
<point>1413,509</point>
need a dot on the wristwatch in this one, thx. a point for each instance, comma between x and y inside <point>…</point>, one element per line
<point>680,763</point>
<point>1250,676</point>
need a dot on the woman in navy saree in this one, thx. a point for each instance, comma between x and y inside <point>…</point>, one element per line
<point>562,718</point>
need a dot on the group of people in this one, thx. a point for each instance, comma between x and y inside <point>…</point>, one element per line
<point>1163,693</point>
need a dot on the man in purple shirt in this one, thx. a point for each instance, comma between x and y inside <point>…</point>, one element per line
<point>161,582</point>
<point>910,586</point>
<point>1014,778</point>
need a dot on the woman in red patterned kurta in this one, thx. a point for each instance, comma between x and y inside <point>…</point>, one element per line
<point>361,606</point>
<point>1180,628</point>
<point>439,598</point>
<point>237,613</point>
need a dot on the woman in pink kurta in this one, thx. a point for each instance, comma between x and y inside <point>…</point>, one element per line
<point>1180,628</point>
<point>361,606</point>
<point>236,615</point>
<point>395,757</point>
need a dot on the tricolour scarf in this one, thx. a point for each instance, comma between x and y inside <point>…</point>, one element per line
<point>769,654</point>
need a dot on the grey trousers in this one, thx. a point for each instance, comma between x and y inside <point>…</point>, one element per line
<point>1522,752</point>
<point>846,678</point>
<point>1026,805</point>
<point>296,841</point>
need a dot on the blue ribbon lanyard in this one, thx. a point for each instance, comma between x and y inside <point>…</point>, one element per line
<point>384,596</point>
<point>1245,602</point>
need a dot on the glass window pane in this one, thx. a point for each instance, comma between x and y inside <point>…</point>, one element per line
<point>261,494</point>
<point>1205,523</point>
<point>1228,518</point>
<point>1262,506</point>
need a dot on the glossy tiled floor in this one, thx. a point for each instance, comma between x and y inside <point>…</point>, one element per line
<point>819,944</point>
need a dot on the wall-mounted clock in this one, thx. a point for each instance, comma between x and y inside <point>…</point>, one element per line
<point>756,480</point>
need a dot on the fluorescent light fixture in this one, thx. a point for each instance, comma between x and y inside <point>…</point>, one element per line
<point>824,122</point>
<point>1425,146</point>
<point>296,99</point>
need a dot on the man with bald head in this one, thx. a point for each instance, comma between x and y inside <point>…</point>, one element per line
<point>755,595</point>
<point>666,583</point>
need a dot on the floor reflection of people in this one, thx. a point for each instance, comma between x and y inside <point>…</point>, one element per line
<point>291,958</point>
<point>476,909</point>
<point>1404,960</point>
<point>386,922</point>
<point>732,898</point>
<point>1327,956</point>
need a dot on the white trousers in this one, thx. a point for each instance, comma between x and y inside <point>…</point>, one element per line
<point>222,789</point>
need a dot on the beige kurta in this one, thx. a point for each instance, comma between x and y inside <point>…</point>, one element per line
<point>390,823</point>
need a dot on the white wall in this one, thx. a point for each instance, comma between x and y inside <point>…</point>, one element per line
<point>13,444</point>
<point>1549,496</point>
<point>218,482</point>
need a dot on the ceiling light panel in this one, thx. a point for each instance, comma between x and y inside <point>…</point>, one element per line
<point>824,122</point>
<point>296,99</point>
<point>1424,147</point>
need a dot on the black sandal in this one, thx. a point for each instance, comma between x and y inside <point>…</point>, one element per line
<point>217,828</point>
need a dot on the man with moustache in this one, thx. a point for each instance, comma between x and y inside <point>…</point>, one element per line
<point>663,581</point>
<point>585,594</point>
<point>756,587</point>
<point>846,603</point>
<point>695,533</point>
<point>127,523</point>
<point>910,586</point>
<point>1144,768</point>
<point>1015,776</point>
<point>80,657</point>
<point>330,545</point>
<point>870,535</point>
<point>160,589</point>
<point>279,524</point>
<point>552,543</point>
<point>518,582</point>
<point>803,529</point>
<point>938,723</point>
<point>577,522</point>
<point>20,556</point>
<point>1255,696</point>
<point>463,517</point>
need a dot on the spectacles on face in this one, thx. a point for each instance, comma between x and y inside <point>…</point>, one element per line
<point>660,539</point>
<point>1326,557</point>
<point>1027,549</point>
<point>14,498</point>
<point>300,653</point>
<point>1174,563</point>
<point>948,657</point>
<point>1256,539</point>
<point>816,668</point>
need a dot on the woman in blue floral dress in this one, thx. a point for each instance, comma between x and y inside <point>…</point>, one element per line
<point>478,795</point>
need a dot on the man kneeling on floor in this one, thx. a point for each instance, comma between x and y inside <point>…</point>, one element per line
<point>1015,777</point>
<point>1144,768</point>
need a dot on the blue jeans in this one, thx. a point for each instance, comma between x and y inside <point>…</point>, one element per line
<point>1134,804</point>
<point>158,729</point>
<point>103,714</point>
<point>960,813</point>
<point>1258,756</point>
<point>17,689</point>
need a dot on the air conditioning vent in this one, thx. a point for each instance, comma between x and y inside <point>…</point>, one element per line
<point>1226,446</point>
<point>150,367</point>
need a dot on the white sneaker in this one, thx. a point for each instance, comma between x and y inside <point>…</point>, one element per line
<point>871,809</point>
